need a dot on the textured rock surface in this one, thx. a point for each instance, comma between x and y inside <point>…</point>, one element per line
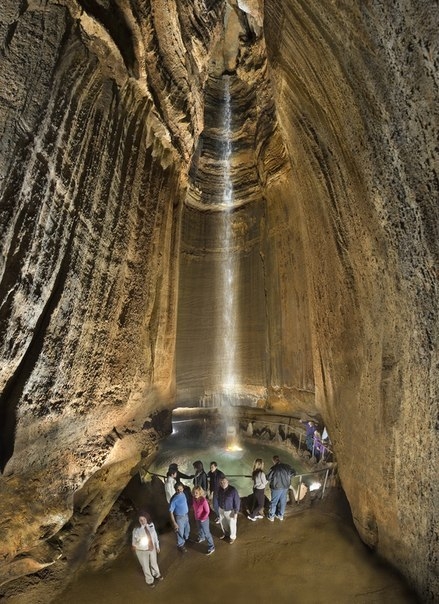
<point>90,188</point>
<point>112,138</point>
<point>355,107</point>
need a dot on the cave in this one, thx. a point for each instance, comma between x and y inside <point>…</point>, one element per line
<point>211,205</point>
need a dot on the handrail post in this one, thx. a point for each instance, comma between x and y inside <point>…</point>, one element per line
<point>324,484</point>
<point>299,488</point>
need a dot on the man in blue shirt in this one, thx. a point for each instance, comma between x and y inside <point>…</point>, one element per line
<point>229,504</point>
<point>179,511</point>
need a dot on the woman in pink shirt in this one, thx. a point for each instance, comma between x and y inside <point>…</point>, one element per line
<point>201,513</point>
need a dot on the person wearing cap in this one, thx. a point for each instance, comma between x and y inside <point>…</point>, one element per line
<point>145,544</point>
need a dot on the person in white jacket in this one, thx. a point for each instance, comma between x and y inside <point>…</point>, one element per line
<point>259,484</point>
<point>170,482</point>
<point>145,544</point>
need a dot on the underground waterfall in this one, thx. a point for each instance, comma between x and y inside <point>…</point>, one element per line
<point>226,354</point>
<point>218,218</point>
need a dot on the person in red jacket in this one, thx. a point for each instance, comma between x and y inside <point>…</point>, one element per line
<point>201,513</point>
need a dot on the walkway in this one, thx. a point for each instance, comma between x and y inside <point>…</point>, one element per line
<point>314,557</point>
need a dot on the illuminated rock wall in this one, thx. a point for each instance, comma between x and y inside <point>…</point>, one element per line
<point>107,150</point>
<point>354,88</point>
<point>92,174</point>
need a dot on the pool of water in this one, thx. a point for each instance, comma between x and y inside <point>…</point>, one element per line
<point>193,440</point>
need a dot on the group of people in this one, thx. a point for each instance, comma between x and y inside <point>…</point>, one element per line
<point>279,480</point>
<point>224,498</point>
<point>211,492</point>
<point>316,443</point>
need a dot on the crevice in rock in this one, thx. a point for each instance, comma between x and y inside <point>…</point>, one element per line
<point>12,393</point>
<point>112,18</point>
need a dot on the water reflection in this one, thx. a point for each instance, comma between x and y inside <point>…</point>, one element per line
<point>195,439</point>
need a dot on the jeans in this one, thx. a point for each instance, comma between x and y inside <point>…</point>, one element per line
<point>183,529</point>
<point>215,505</point>
<point>204,533</point>
<point>278,502</point>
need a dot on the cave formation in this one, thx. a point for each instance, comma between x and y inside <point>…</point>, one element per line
<point>112,156</point>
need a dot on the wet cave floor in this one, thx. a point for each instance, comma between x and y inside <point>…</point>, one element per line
<point>313,557</point>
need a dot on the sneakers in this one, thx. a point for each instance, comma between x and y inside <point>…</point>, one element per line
<point>182,549</point>
<point>280,517</point>
<point>217,521</point>
<point>258,517</point>
<point>199,540</point>
<point>210,551</point>
<point>159,578</point>
<point>232,541</point>
<point>270,518</point>
<point>151,585</point>
<point>252,519</point>
<point>222,536</point>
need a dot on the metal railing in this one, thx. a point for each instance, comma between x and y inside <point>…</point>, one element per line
<point>326,471</point>
<point>319,445</point>
<point>297,497</point>
<point>323,448</point>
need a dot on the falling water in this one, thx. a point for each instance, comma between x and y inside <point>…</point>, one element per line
<point>227,354</point>
<point>228,267</point>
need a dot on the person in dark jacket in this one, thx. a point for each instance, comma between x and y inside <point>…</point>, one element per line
<point>200,477</point>
<point>229,504</point>
<point>173,468</point>
<point>279,477</point>
<point>311,429</point>
<point>214,476</point>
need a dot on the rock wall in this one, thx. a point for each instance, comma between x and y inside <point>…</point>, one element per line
<point>354,89</point>
<point>92,177</point>
<point>104,115</point>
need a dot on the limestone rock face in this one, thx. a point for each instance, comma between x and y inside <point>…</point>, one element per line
<point>354,90</point>
<point>91,181</point>
<point>144,146</point>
